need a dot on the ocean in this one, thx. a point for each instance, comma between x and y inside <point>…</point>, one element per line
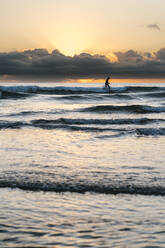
<point>80,167</point>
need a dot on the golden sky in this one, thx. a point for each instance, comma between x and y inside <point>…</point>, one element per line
<point>66,39</point>
<point>75,26</point>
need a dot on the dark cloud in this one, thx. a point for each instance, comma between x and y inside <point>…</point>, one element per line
<point>41,64</point>
<point>154,26</point>
<point>129,57</point>
<point>160,54</point>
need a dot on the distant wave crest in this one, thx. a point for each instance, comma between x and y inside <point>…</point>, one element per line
<point>64,90</point>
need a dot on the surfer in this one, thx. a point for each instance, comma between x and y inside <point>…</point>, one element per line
<point>107,84</point>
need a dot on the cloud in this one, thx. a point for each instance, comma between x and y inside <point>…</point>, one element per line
<point>41,64</point>
<point>160,55</point>
<point>130,56</point>
<point>153,26</point>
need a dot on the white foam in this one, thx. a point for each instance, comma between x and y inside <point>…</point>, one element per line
<point>60,89</point>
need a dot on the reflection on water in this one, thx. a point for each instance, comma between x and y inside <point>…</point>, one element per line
<point>75,220</point>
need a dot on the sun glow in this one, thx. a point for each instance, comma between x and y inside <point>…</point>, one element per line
<point>70,41</point>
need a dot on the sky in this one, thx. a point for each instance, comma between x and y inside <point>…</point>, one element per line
<point>82,38</point>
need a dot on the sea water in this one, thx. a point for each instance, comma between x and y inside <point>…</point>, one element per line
<point>80,167</point>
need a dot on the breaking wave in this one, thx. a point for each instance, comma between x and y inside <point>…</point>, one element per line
<point>64,90</point>
<point>61,90</point>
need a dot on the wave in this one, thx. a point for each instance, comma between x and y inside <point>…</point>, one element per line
<point>138,89</point>
<point>85,125</point>
<point>69,121</point>
<point>64,90</point>
<point>45,124</point>
<point>24,113</point>
<point>139,132</point>
<point>12,124</point>
<point>138,109</point>
<point>155,95</point>
<point>151,131</point>
<point>61,90</point>
<point>87,97</point>
<point>12,95</point>
<point>84,187</point>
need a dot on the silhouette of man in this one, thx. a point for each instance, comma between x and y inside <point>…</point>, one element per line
<point>107,84</point>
